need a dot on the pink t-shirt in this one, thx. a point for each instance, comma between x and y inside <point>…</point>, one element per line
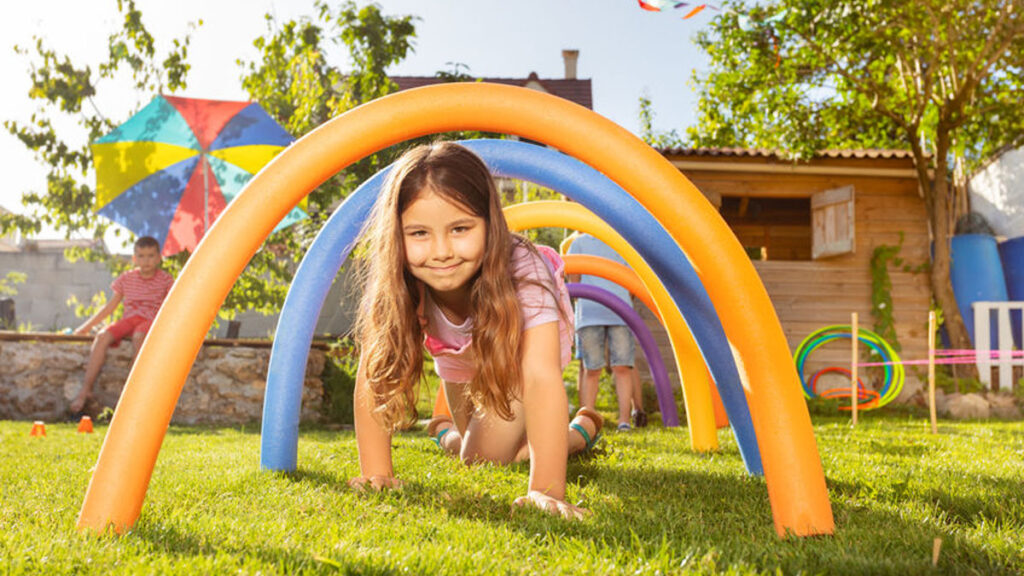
<point>142,296</point>
<point>451,344</point>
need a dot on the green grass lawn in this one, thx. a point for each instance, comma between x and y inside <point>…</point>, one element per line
<point>658,507</point>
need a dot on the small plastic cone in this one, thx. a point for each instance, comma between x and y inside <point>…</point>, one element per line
<point>85,425</point>
<point>38,428</point>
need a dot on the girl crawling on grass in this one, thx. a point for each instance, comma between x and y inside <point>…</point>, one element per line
<point>445,274</point>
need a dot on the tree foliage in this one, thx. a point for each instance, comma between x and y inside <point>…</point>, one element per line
<point>68,117</point>
<point>67,91</point>
<point>943,79</point>
<point>654,137</point>
<point>297,84</point>
<point>292,79</point>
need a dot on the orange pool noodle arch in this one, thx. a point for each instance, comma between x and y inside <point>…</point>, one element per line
<point>793,472</point>
<point>614,272</point>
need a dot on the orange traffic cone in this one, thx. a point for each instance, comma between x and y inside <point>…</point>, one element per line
<point>85,425</point>
<point>38,428</point>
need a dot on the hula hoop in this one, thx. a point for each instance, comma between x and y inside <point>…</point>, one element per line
<point>895,374</point>
<point>821,340</point>
<point>869,397</point>
<point>830,369</point>
<point>863,391</point>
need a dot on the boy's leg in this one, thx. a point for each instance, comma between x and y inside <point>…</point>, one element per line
<point>589,386</point>
<point>624,391</point>
<point>139,336</point>
<point>137,340</point>
<point>621,352</point>
<point>590,342</point>
<point>638,391</point>
<point>639,415</point>
<point>97,356</point>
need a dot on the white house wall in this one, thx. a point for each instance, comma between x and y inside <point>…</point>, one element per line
<point>997,193</point>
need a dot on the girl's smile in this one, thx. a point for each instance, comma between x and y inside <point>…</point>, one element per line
<point>444,246</point>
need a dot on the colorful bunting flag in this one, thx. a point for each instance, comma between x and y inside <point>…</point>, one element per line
<point>664,5</point>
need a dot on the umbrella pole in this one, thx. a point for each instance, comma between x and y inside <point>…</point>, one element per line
<point>206,195</point>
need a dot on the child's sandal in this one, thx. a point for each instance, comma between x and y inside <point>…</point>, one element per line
<point>438,427</point>
<point>598,421</point>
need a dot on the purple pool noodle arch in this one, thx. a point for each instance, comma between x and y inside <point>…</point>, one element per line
<point>666,400</point>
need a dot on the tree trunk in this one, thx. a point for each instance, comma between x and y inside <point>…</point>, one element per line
<point>942,286</point>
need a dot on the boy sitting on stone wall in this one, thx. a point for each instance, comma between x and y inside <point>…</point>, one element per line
<point>143,290</point>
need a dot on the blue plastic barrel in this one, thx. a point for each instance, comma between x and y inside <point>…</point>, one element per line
<point>977,275</point>
<point>1011,253</point>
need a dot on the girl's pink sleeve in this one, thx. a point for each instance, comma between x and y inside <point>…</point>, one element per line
<point>537,305</point>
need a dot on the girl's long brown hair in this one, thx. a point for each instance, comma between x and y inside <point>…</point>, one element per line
<point>387,327</point>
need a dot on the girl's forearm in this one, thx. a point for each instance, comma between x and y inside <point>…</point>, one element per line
<point>547,422</point>
<point>372,440</point>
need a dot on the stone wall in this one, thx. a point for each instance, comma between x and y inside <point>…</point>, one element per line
<point>38,380</point>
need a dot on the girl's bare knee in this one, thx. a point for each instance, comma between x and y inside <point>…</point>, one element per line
<point>468,458</point>
<point>471,458</point>
<point>475,455</point>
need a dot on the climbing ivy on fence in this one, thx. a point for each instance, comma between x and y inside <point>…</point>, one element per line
<point>881,291</point>
<point>881,288</point>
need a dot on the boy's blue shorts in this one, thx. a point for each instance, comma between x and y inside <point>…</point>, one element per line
<point>592,340</point>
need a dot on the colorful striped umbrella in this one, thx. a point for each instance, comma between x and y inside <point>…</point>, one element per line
<point>172,168</point>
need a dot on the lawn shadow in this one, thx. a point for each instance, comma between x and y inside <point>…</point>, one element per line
<point>860,507</point>
<point>896,447</point>
<point>691,513</point>
<point>856,548</point>
<point>173,542</point>
<point>196,430</point>
<point>318,477</point>
<point>1004,502</point>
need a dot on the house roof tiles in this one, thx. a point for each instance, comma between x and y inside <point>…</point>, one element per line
<point>578,91</point>
<point>779,155</point>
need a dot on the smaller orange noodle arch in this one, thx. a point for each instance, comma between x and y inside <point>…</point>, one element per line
<point>613,271</point>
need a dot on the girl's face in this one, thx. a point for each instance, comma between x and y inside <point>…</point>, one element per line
<point>444,243</point>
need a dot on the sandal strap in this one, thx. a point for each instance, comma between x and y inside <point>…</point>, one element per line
<point>583,432</point>
<point>437,437</point>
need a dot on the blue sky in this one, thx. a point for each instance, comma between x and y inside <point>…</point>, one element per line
<point>625,51</point>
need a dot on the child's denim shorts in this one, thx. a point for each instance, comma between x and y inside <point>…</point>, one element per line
<point>591,342</point>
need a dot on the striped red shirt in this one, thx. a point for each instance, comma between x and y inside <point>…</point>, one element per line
<point>142,296</point>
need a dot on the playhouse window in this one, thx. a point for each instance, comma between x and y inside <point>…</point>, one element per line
<point>770,228</point>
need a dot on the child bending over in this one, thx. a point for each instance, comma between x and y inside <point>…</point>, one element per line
<point>143,290</point>
<point>444,273</point>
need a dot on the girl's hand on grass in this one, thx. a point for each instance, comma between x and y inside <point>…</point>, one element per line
<point>377,483</point>
<point>552,505</point>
